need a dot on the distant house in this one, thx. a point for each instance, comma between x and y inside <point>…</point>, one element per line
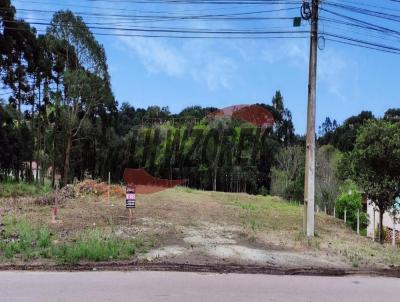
<point>387,222</point>
<point>30,169</point>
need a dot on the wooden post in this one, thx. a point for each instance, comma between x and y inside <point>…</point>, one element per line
<point>394,231</point>
<point>109,181</point>
<point>345,215</point>
<point>373,222</point>
<point>309,177</point>
<point>358,221</point>
<point>54,208</point>
<point>54,214</point>
<point>130,216</point>
<point>334,211</point>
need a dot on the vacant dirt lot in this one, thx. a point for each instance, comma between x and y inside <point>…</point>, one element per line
<point>194,227</point>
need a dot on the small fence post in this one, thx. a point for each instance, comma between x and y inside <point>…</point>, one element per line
<point>109,182</point>
<point>345,215</point>
<point>358,221</point>
<point>394,231</point>
<point>373,230</point>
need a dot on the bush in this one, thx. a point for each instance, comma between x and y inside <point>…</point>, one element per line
<point>351,200</point>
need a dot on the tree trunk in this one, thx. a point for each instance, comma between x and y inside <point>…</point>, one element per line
<point>67,157</point>
<point>53,164</point>
<point>215,172</point>
<point>39,142</point>
<point>381,226</point>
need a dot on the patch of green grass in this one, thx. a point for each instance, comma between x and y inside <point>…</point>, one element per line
<point>15,189</point>
<point>21,239</point>
<point>93,246</point>
<point>266,212</point>
<point>184,189</point>
<point>246,206</point>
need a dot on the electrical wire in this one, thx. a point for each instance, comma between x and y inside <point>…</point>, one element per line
<point>364,33</point>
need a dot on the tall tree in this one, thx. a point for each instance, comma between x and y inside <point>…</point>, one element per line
<point>327,181</point>
<point>344,136</point>
<point>284,129</point>
<point>374,164</point>
<point>85,77</point>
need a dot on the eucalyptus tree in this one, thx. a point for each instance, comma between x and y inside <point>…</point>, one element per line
<point>86,83</point>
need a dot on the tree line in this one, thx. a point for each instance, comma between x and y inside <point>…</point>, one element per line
<point>59,111</point>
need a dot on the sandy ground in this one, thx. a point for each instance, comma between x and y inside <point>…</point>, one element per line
<point>183,287</point>
<point>223,244</point>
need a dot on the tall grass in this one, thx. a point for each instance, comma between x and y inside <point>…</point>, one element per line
<point>15,189</point>
<point>19,240</point>
<point>93,246</point>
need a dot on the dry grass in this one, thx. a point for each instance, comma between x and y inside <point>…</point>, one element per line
<point>263,222</point>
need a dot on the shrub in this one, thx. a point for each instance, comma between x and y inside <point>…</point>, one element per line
<point>351,200</point>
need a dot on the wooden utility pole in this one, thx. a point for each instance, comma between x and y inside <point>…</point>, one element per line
<point>309,181</point>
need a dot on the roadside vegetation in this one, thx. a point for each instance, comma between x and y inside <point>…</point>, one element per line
<point>20,240</point>
<point>15,189</point>
<point>90,229</point>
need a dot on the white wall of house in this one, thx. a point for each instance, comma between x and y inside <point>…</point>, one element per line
<point>387,220</point>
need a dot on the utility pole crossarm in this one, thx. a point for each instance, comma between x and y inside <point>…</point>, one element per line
<point>309,181</point>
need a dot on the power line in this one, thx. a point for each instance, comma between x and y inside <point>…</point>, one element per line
<point>361,46</point>
<point>364,11</point>
<point>367,43</point>
<point>136,10</point>
<point>122,25</point>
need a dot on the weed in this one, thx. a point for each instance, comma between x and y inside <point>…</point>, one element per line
<point>27,242</point>
<point>355,259</point>
<point>92,246</point>
<point>253,225</point>
<point>19,238</point>
<point>43,238</point>
<point>246,206</point>
<point>299,236</point>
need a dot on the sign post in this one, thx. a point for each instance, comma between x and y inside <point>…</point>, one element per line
<point>130,200</point>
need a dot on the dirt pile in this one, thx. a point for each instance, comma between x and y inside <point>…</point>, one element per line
<point>90,186</point>
<point>59,196</point>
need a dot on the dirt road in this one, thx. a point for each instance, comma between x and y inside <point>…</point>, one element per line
<point>183,287</point>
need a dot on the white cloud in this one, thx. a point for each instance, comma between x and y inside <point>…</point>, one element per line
<point>293,52</point>
<point>333,66</point>
<point>216,73</point>
<point>157,56</point>
<point>200,60</point>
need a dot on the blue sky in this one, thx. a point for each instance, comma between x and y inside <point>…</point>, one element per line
<point>213,72</point>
